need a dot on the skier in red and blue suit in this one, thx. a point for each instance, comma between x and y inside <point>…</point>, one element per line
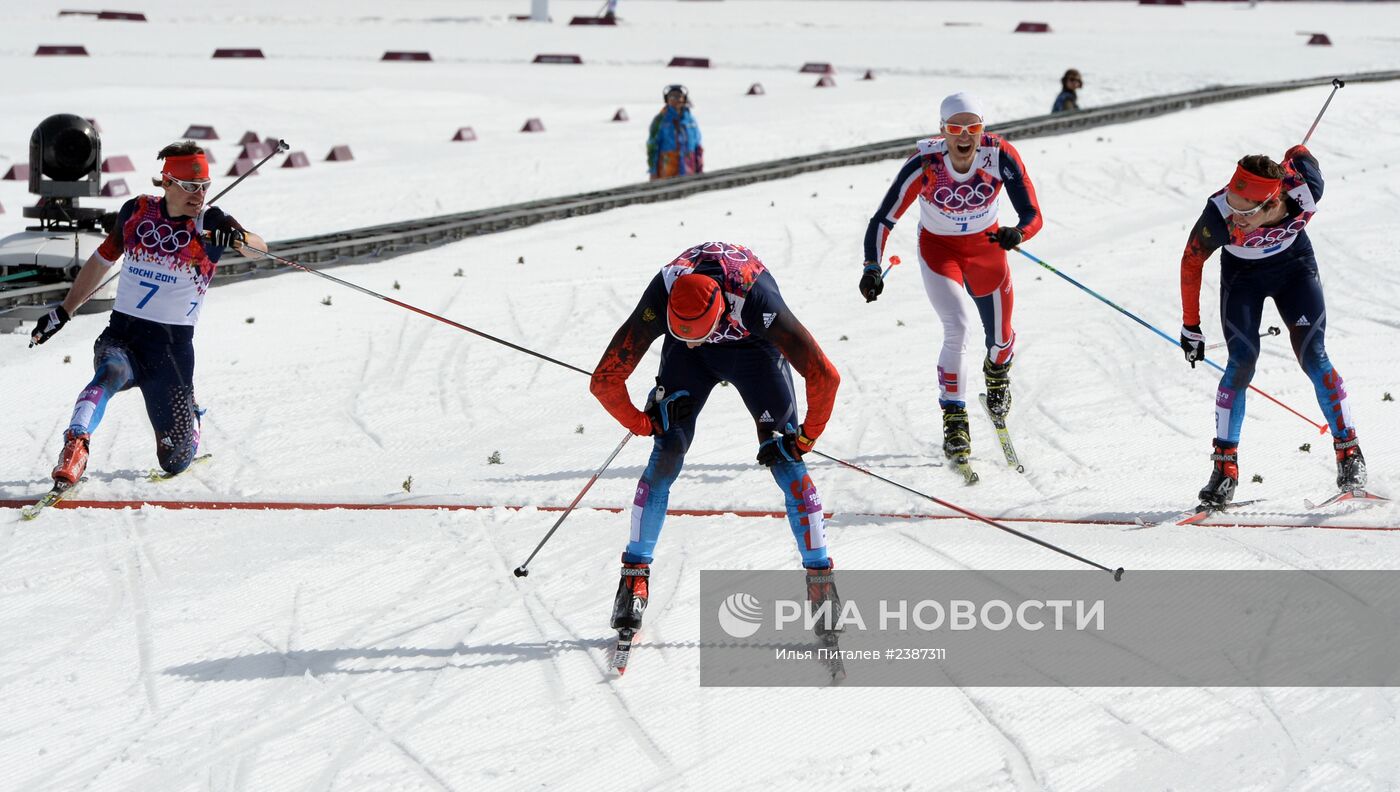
<point>724,321</point>
<point>957,179</point>
<point>1258,221</point>
<point>169,246</point>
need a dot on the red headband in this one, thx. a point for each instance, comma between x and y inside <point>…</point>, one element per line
<point>187,167</point>
<point>1253,187</point>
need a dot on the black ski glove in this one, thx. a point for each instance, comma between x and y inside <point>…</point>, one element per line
<point>1193,343</point>
<point>667,411</point>
<point>48,324</point>
<point>1008,237</point>
<point>785,447</point>
<point>872,282</point>
<point>227,238</point>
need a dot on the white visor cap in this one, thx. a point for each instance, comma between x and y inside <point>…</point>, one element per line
<point>959,103</point>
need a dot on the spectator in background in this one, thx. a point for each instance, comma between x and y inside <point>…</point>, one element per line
<point>1068,100</point>
<point>673,145</point>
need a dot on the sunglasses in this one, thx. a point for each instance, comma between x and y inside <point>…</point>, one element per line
<point>1249,212</point>
<point>190,186</point>
<point>958,129</point>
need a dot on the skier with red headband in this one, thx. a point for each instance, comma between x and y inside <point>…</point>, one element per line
<point>957,178</point>
<point>169,245</point>
<point>1258,220</point>
<point>724,320</point>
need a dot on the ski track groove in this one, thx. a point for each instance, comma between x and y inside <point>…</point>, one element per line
<point>254,731</point>
<point>421,585</point>
<point>520,333</point>
<point>145,641</point>
<point>116,595</point>
<point>134,740</point>
<point>659,619</point>
<point>560,330</point>
<point>414,761</point>
<point>1017,763</point>
<point>554,677</point>
<point>623,714</point>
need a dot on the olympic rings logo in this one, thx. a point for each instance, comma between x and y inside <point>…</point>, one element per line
<point>964,196</point>
<point>162,237</point>
<point>714,250</point>
<point>1275,235</point>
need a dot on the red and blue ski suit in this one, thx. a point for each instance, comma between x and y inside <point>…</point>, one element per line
<point>751,347</point>
<point>1274,261</point>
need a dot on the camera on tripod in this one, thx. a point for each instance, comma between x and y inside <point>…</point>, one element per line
<point>65,164</point>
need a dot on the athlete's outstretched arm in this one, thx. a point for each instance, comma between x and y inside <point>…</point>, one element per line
<point>624,352</point>
<point>900,196</point>
<point>1208,234</point>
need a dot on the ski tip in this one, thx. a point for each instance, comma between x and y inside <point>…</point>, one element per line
<point>1197,516</point>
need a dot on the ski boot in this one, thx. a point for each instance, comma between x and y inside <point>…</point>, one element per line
<point>957,443</point>
<point>821,589</point>
<point>1224,476</point>
<point>821,593</point>
<point>998,387</point>
<point>1351,465</point>
<point>631,601</point>
<point>72,461</point>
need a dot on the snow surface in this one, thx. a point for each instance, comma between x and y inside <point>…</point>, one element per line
<point>156,649</point>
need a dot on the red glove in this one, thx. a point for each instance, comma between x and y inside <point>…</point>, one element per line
<point>1295,151</point>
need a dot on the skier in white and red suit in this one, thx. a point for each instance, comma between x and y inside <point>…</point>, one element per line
<point>957,179</point>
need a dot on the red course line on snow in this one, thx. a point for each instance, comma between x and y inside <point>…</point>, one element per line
<point>180,505</point>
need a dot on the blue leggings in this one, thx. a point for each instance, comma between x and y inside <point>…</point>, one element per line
<point>759,373</point>
<point>1293,284</point>
<point>158,359</point>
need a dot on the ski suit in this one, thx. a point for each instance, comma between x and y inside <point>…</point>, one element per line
<point>751,347</point>
<point>1271,261</point>
<point>149,340</point>
<point>956,210</point>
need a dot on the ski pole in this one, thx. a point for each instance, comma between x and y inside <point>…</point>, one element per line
<point>523,570</point>
<point>1337,84</point>
<point>415,309</point>
<point>278,149</point>
<point>1272,331</point>
<point>1321,428</point>
<point>894,262</point>
<point>1117,573</point>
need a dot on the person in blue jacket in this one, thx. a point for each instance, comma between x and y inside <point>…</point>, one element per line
<point>673,144</point>
<point>1068,99</point>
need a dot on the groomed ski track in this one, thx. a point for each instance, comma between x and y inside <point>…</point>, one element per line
<point>195,505</point>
